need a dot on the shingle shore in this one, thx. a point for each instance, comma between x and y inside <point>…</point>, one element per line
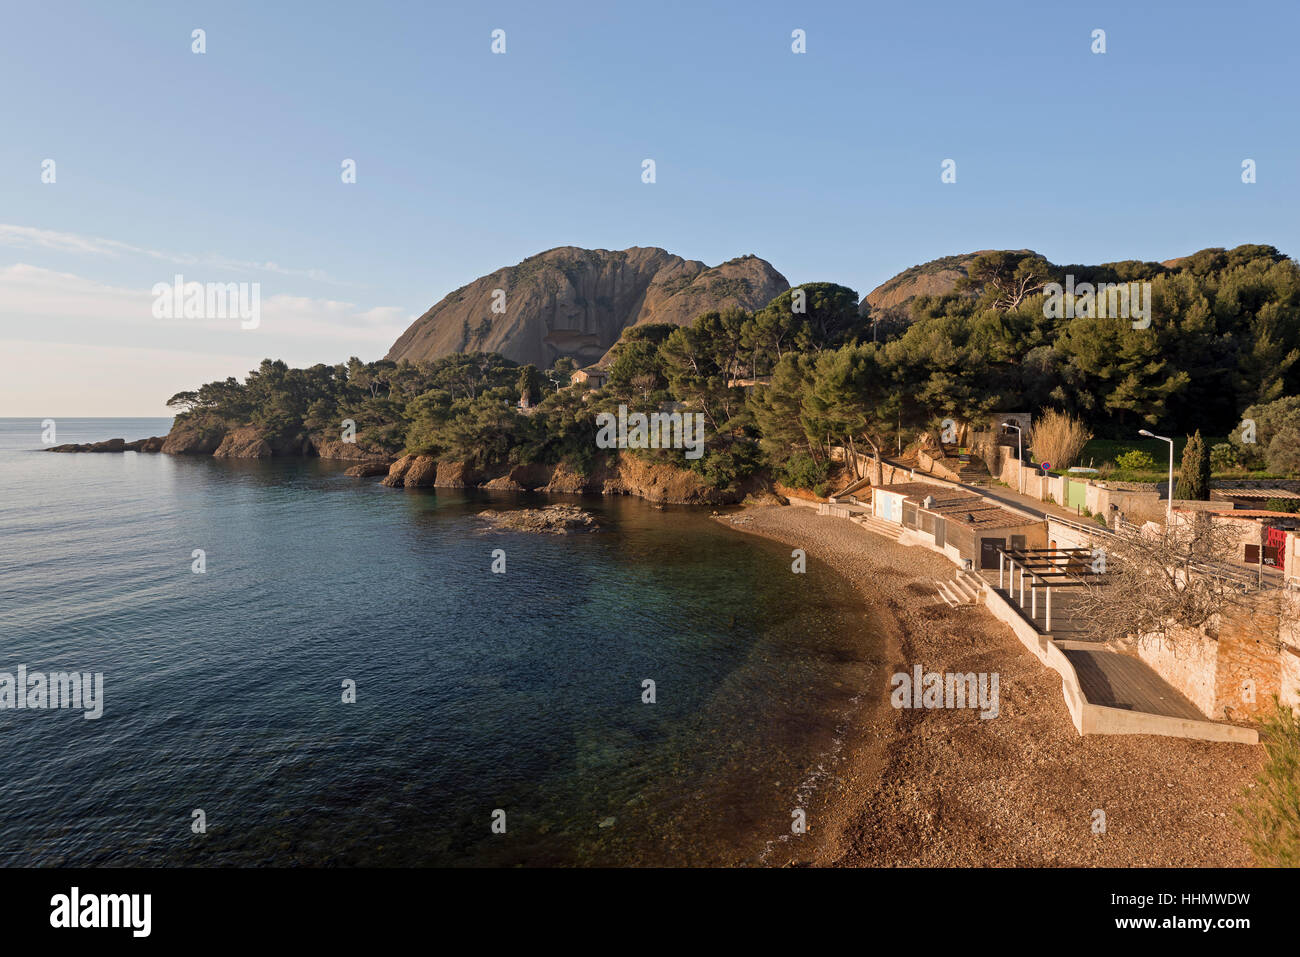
<point>946,788</point>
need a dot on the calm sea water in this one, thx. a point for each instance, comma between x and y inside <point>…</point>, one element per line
<point>475,691</point>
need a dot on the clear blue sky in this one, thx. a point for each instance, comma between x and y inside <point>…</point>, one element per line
<point>225,166</point>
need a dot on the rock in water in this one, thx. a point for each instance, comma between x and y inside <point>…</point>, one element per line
<point>113,445</point>
<point>556,519</point>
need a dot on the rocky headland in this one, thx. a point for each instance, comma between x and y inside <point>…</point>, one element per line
<point>623,474</point>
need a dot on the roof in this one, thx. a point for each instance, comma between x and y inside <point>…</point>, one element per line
<point>1239,512</point>
<point>960,506</point>
<point>1264,493</point>
<point>981,515</point>
<point>918,491</point>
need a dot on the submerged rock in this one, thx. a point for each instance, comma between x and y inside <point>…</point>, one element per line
<point>368,469</point>
<point>555,519</point>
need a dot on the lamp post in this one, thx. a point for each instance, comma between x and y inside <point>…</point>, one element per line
<point>1020,454</point>
<point>1169,500</point>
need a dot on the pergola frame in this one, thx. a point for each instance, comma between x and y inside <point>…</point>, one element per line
<point>1045,568</point>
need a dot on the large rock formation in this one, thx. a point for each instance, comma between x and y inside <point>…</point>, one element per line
<point>938,277</point>
<point>577,302</point>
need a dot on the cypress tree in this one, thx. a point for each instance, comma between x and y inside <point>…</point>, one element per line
<point>1194,480</point>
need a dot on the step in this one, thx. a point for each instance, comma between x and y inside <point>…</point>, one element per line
<point>968,595</point>
<point>877,525</point>
<point>971,583</point>
<point>945,592</point>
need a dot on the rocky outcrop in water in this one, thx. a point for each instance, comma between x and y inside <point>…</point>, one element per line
<point>194,438</point>
<point>245,443</point>
<point>368,469</point>
<point>154,444</point>
<point>656,482</point>
<point>553,519</point>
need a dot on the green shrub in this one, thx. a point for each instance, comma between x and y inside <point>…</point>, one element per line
<point>1135,461</point>
<point>1272,809</point>
<point>1283,456</point>
<point>725,468</point>
<point>1283,505</point>
<point>1224,457</point>
<point>803,471</point>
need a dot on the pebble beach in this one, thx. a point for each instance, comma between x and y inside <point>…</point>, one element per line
<point>944,787</point>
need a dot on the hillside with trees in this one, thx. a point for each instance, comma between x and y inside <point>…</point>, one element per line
<point>780,385</point>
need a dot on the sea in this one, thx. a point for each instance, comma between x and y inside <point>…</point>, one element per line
<point>300,668</point>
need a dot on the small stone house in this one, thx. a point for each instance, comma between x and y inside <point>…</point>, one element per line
<point>589,378</point>
<point>1253,527</point>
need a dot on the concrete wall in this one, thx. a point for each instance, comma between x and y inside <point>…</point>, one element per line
<point>1289,632</point>
<point>1067,536</point>
<point>1189,664</point>
<point>1097,719</point>
<point>1232,667</point>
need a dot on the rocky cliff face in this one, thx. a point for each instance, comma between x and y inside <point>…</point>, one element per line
<point>938,277</point>
<point>657,482</point>
<point>935,278</point>
<point>577,302</point>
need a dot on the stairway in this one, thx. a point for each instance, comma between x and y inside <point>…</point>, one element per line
<point>877,525</point>
<point>963,589</point>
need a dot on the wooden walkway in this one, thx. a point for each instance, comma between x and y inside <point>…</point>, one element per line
<point>1068,620</point>
<point>1116,680</point>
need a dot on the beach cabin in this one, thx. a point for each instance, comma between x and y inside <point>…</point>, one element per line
<point>978,534</point>
<point>887,502</point>
<point>963,525</point>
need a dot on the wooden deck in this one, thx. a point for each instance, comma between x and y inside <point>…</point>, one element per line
<point>1068,620</point>
<point>1116,680</point>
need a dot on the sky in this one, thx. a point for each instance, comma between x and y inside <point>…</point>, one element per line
<point>227,165</point>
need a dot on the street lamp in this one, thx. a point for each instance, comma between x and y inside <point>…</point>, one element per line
<point>1169,501</point>
<point>1020,453</point>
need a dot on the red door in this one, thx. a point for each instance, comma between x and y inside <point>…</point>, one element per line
<point>1276,546</point>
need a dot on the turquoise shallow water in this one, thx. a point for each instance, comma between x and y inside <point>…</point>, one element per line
<point>475,691</point>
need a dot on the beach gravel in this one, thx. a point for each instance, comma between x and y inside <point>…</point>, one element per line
<point>944,787</point>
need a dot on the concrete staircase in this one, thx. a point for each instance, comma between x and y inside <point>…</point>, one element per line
<point>877,525</point>
<point>963,589</point>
